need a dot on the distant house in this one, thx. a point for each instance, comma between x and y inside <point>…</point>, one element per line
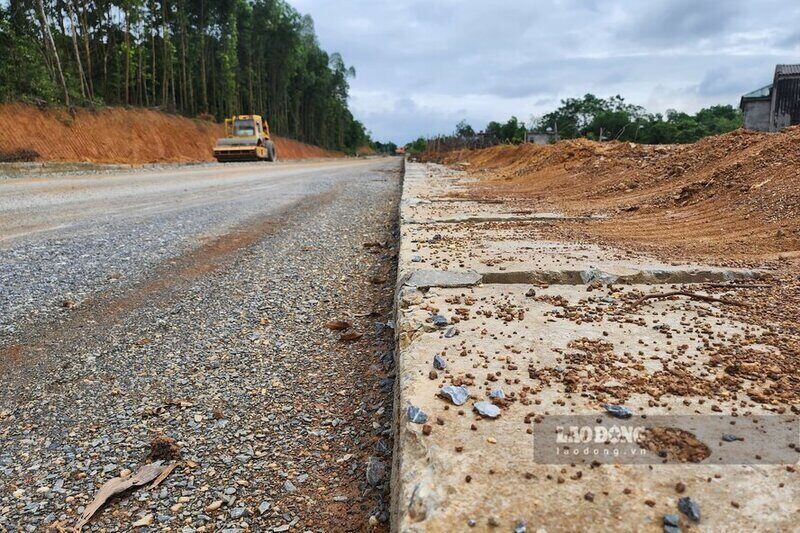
<point>541,138</point>
<point>775,106</point>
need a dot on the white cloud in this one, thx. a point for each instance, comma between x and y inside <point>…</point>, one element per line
<point>423,65</point>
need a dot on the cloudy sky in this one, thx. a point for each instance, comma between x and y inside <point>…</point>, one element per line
<point>423,65</point>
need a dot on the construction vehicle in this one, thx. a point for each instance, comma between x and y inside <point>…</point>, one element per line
<point>246,139</point>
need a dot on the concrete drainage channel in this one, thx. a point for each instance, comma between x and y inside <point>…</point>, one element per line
<point>500,331</point>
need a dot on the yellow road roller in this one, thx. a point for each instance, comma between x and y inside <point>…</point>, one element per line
<point>246,139</point>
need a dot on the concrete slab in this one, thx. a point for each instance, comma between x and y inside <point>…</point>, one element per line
<point>520,253</point>
<point>424,279</point>
<point>569,348</point>
<point>456,218</point>
<point>431,195</point>
<point>567,351</point>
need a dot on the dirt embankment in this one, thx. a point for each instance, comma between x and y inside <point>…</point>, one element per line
<point>119,135</point>
<point>734,195</point>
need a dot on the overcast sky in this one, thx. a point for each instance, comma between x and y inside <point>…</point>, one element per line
<point>423,65</point>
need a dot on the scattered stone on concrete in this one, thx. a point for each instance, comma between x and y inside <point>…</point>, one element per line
<point>487,409</point>
<point>497,394</point>
<point>690,508</point>
<point>439,321</point>
<point>458,395</point>
<point>548,328</point>
<point>416,415</point>
<point>617,411</point>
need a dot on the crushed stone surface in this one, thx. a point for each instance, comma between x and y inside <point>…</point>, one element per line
<point>278,424</point>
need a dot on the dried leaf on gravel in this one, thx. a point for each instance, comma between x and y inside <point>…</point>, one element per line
<point>144,475</point>
<point>350,336</point>
<point>167,471</point>
<point>337,325</point>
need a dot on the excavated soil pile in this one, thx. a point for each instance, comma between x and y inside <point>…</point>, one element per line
<point>117,135</point>
<point>733,195</point>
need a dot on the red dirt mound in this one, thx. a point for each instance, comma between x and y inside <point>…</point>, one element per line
<point>119,135</point>
<point>736,194</point>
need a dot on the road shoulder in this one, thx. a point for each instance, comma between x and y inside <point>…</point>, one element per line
<point>534,327</point>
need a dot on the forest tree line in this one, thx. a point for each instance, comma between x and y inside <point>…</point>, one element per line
<point>195,57</point>
<point>599,119</point>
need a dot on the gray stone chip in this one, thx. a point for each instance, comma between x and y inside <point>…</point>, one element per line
<point>617,411</point>
<point>690,508</point>
<point>416,415</point>
<point>487,409</point>
<point>458,395</point>
<point>439,321</point>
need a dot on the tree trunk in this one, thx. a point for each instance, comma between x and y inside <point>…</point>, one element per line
<point>141,88</point>
<point>52,44</point>
<point>90,75</point>
<point>48,60</point>
<point>73,21</point>
<point>186,89</point>
<point>250,87</point>
<point>105,54</point>
<point>127,58</point>
<point>153,51</point>
<point>166,52</point>
<point>203,74</point>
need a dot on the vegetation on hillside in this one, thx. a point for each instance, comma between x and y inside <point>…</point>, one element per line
<point>617,119</point>
<point>590,117</point>
<point>388,148</point>
<point>195,57</point>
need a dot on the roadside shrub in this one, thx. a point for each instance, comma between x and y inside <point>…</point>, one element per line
<point>21,155</point>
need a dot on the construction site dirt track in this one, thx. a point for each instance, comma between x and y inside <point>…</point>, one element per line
<point>731,196</point>
<point>119,135</point>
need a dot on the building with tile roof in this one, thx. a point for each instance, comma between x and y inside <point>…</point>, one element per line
<point>775,106</point>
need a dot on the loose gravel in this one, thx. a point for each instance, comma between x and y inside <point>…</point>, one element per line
<point>82,234</point>
<point>280,425</point>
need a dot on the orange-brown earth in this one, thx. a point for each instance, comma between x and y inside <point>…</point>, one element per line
<point>119,135</point>
<point>733,196</point>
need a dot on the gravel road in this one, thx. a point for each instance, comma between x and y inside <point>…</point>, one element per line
<point>192,304</point>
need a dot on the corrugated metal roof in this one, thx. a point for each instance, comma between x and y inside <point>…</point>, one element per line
<point>787,70</point>
<point>760,93</point>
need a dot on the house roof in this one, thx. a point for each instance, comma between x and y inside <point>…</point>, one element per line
<point>763,92</point>
<point>766,92</point>
<point>787,70</point>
